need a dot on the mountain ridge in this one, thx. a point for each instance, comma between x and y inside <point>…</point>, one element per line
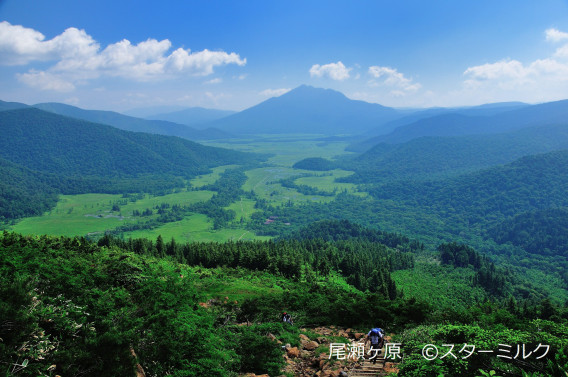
<point>128,123</point>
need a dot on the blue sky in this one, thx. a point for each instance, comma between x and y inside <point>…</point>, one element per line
<point>119,55</point>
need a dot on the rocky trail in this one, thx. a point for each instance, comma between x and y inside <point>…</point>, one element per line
<point>368,369</point>
<point>312,357</point>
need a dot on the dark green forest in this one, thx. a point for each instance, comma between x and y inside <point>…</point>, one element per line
<point>69,306</point>
<point>48,153</point>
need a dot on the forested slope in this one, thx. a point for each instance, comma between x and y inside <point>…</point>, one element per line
<point>74,156</point>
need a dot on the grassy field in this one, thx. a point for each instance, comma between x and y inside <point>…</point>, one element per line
<point>79,215</point>
<point>92,214</point>
<point>288,149</point>
<point>196,227</point>
<point>327,182</point>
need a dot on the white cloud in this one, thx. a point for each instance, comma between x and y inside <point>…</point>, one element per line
<point>511,74</point>
<point>45,81</point>
<point>274,92</point>
<point>216,80</point>
<point>336,71</point>
<point>555,35</point>
<point>510,69</point>
<point>78,56</point>
<point>539,80</point>
<point>391,77</point>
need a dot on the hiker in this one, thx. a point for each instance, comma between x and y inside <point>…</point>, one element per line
<point>377,338</point>
<point>287,318</point>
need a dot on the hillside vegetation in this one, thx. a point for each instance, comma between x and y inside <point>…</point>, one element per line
<point>59,154</point>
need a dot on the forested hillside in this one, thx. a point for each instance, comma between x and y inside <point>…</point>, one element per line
<point>530,183</point>
<point>429,157</point>
<point>69,306</point>
<point>51,153</point>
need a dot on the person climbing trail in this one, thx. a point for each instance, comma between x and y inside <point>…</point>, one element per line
<point>287,318</point>
<point>376,337</point>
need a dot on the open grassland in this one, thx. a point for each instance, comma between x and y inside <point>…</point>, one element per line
<point>196,227</point>
<point>243,208</point>
<point>288,149</point>
<point>326,182</point>
<point>93,214</point>
<point>207,179</point>
<point>79,215</point>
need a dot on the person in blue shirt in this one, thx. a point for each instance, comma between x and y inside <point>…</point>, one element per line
<point>377,338</point>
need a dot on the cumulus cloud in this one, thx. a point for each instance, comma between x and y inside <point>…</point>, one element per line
<point>511,74</point>
<point>274,92</point>
<point>336,71</point>
<point>391,77</point>
<point>78,56</point>
<point>45,81</point>
<point>556,35</point>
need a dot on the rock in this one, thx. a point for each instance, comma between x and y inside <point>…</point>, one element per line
<point>310,346</point>
<point>359,335</point>
<point>321,339</point>
<point>304,354</point>
<point>343,374</point>
<point>293,352</point>
<point>304,337</point>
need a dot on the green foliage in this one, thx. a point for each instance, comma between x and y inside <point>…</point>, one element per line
<point>538,232</point>
<point>436,157</point>
<point>315,163</point>
<point>72,156</point>
<point>487,275</point>
<point>69,303</point>
<point>490,338</point>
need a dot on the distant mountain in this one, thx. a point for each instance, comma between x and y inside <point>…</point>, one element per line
<point>481,110</point>
<point>426,157</point>
<point>193,116</point>
<point>11,105</point>
<point>143,112</point>
<point>72,156</point>
<point>128,123</point>
<point>458,123</point>
<point>308,110</point>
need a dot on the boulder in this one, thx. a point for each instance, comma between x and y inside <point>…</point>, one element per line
<point>310,346</point>
<point>358,335</point>
<point>293,352</point>
<point>304,337</point>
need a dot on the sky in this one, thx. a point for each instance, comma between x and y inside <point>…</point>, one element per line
<point>121,55</point>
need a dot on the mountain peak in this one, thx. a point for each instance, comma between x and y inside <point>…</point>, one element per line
<point>307,109</point>
<point>313,92</point>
